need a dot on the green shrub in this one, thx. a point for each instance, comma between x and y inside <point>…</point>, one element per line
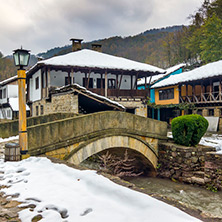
<point>187,130</point>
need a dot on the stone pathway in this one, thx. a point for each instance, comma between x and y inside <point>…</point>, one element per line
<point>8,208</point>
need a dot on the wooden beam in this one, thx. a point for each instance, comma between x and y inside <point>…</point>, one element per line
<point>106,84</point>
<point>201,92</point>
<point>42,83</point>
<point>72,76</point>
<point>48,82</point>
<point>88,78</point>
<point>69,80</point>
<point>121,77</point>
<point>135,84</point>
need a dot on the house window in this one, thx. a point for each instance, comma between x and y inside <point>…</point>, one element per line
<point>100,84</point>
<point>4,93</point>
<point>0,94</point>
<point>85,82</point>
<point>166,94</point>
<point>37,83</point>
<point>42,109</point>
<point>8,113</point>
<point>111,83</point>
<point>37,110</point>
<point>67,82</point>
<point>211,112</point>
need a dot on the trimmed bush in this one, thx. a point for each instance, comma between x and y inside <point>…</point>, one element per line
<point>188,130</point>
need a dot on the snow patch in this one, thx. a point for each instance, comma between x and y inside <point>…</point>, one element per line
<point>61,193</point>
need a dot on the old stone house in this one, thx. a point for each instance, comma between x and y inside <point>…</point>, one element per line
<point>110,76</point>
<point>75,99</point>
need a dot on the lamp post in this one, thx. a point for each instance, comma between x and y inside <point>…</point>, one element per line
<point>21,59</point>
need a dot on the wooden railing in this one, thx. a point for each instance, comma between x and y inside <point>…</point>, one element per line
<point>121,93</point>
<point>209,97</point>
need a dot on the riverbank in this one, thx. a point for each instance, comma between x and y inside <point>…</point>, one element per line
<point>191,210</point>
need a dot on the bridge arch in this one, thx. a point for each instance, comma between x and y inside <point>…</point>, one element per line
<point>86,150</point>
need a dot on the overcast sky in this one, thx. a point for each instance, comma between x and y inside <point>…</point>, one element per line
<point>40,25</point>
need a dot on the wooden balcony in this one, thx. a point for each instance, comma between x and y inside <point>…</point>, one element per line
<point>125,93</point>
<point>209,97</point>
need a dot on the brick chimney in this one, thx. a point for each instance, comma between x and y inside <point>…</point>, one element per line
<point>97,47</point>
<point>76,44</point>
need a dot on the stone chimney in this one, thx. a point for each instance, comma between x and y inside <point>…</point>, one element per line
<point>76,44</point>
<point>97,47</point>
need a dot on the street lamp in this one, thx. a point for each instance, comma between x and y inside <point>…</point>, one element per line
<point>21,59</point>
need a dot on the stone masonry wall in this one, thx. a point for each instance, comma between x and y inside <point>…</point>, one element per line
<point>185,164</point>
<point>213,171</point>
<point>61,103</point>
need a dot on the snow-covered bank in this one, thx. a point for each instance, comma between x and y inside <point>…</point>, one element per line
<point>215,140</point>
<point>64,194</point>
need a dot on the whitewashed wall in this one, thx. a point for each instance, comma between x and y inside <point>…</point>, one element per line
<point>12,91</point>
<point>35,94</point>
<point>57,78</point>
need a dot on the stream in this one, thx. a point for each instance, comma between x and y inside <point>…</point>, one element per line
<point>196,198</point>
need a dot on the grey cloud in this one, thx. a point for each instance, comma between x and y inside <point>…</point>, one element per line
<point>42,24</point>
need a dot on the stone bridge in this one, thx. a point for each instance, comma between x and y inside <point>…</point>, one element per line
<point>76,138</point>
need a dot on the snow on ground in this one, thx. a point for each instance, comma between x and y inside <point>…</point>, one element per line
<point>215,140</point>
<point>9,139</point>
<point>61,193</point>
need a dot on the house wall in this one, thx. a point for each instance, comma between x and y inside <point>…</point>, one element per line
<point>35,94</point>
<point>57,78</point>
<point>175,100</point>
<point>8,91</point>
<point>61,103</point>
<point>152,95</point>
<point>12,91</point>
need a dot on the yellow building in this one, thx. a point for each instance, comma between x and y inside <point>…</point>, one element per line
<point>196,91</point>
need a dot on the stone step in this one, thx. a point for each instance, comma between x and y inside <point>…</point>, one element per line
<point>198,180</point>
<point>199,174</point>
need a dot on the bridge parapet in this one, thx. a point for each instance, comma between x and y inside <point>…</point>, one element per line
<point>82,128</point>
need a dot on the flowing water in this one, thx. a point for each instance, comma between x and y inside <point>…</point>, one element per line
<point>197,198</point>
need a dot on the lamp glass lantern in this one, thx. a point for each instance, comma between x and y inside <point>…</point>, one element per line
<point>21,57</point>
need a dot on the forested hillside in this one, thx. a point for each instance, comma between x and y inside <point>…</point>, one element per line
<point>146,47</point>
<point>7,68</point>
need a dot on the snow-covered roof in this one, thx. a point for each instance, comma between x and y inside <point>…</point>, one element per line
<point>14,103</point>
<point>174,68</point>
<point>203,72</point>
<point>153,79</point>
<point>160,76</point>
<point>93,59</point>
<point>11,79</point>
<point>85,91</point>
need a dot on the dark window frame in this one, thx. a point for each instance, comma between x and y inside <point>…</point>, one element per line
<point>111,83</point>
<point>37,110</point>
<point>85,82</point>
<point>42,109</point>
<point>166,94</point>
<point>37,83</point>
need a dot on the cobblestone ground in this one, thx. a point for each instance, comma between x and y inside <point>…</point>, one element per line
<point>8,208</point>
